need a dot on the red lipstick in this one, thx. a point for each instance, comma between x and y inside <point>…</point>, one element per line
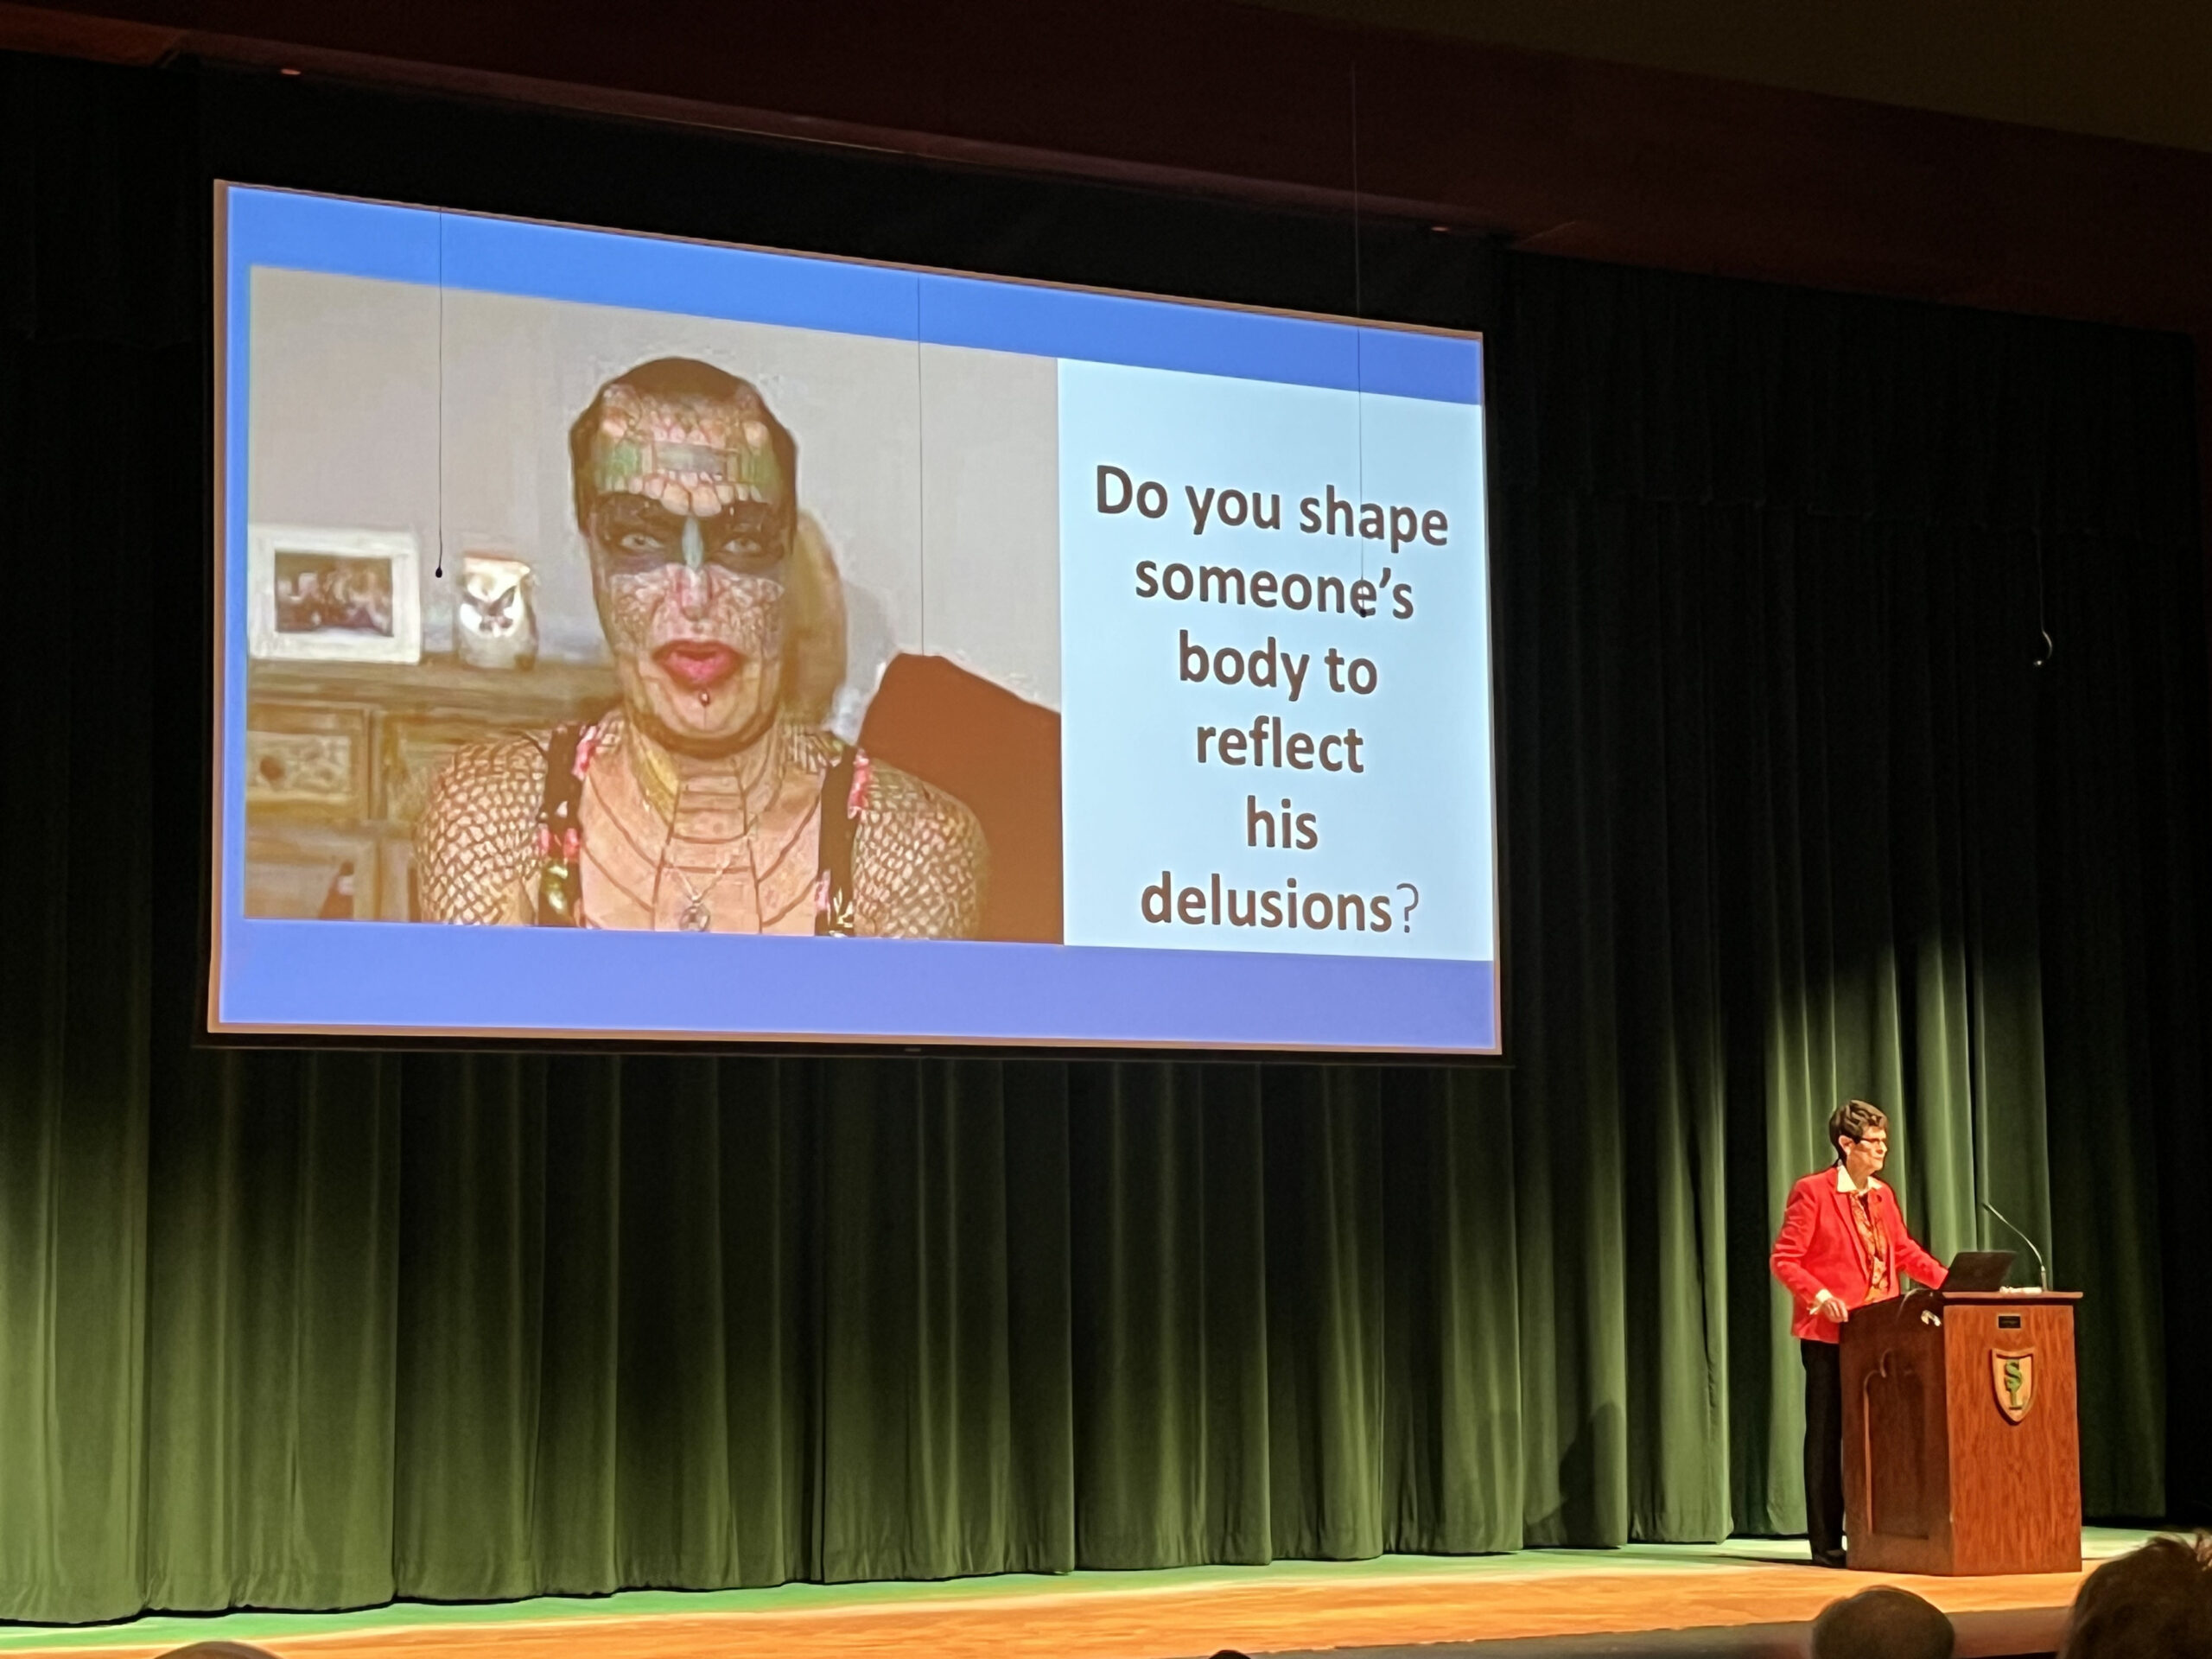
<point>696,665</point>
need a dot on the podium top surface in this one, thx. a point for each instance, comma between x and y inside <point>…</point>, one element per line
<point>2009,1298</point>
<point>1892,1311</point>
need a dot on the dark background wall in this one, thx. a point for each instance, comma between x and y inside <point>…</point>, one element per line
<point>2136,69</point>
<point>1622,159</point>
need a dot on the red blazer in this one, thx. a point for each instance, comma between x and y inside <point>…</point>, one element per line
<point>1818,1249</point>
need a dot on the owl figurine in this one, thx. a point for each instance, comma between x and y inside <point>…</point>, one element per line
<point>495,625</point>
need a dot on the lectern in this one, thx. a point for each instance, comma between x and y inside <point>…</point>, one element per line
<point>1961,1453</point>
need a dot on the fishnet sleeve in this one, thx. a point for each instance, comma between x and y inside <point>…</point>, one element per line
<point>921,869</point>
<point>476,841</point>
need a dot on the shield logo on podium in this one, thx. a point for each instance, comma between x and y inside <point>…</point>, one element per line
<point>2014,1375</point>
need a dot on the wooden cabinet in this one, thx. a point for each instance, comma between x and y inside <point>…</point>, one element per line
<point>338,756</point>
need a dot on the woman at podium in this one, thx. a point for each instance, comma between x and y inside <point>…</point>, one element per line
<point>1843,1245</point>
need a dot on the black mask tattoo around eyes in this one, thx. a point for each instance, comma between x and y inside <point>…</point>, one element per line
<point>629,534</point>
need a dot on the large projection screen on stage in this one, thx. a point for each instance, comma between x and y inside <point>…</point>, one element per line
<point>627,638</point>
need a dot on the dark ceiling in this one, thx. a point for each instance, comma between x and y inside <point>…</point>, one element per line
<point>2139,69</point>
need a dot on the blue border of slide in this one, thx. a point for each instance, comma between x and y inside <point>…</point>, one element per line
<point>421,979</point>
<point>554,261</point>
<point>564,982</point>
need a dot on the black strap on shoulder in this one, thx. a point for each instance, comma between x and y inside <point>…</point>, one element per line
<point>833,908</point>
<point>560,838</point>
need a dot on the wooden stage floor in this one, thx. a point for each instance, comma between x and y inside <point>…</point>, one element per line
<point>1741,1598</point>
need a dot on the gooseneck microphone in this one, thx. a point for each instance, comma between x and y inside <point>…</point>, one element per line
<point>2042,1268</point>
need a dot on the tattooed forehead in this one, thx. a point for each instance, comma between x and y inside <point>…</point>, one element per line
<point>692,455</point>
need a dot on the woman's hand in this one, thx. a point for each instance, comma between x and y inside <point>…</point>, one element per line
<point>1830,1306</point>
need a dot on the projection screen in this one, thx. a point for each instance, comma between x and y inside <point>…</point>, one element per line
<point>621,637</point>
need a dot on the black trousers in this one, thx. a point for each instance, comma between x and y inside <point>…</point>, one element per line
<point>1823,1445</point>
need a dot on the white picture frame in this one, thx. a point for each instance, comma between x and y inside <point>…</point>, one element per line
<point>318,593</point>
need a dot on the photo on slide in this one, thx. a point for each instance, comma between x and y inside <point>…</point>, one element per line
<point>694,557</point>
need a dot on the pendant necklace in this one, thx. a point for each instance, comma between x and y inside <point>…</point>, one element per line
<point>695,917</point>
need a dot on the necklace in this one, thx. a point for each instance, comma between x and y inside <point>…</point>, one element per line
<point>663,786</point>
<point>695,917</point>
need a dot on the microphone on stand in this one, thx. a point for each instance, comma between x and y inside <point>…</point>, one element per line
<point>2042,1268</point>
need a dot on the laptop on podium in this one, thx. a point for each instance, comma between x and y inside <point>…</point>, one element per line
<point>1976,1270</point>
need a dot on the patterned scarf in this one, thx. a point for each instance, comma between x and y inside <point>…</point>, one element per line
<point>1874,1241</point>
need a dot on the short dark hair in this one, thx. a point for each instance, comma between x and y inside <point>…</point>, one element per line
<point>1883,1624</point>
<point>1855,1120</point>
<point>2155,1602</point>
<point>676,377</point>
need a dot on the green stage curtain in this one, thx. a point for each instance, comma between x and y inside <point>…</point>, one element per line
<point>1792,813</point>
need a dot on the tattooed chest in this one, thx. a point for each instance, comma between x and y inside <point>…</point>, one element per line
<point>706,871</point>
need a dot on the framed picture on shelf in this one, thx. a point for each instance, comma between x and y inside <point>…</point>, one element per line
<point>320,594</point>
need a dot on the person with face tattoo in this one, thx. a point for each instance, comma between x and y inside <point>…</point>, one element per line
<point>710,799</point>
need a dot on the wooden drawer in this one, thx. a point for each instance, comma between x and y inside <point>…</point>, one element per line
<point>307,761</point>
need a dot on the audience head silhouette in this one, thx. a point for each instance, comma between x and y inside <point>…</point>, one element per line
<point>2155,1602</point>
<point>1884,1623</point>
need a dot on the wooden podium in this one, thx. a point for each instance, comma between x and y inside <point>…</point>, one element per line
<point>1961,1453</point>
